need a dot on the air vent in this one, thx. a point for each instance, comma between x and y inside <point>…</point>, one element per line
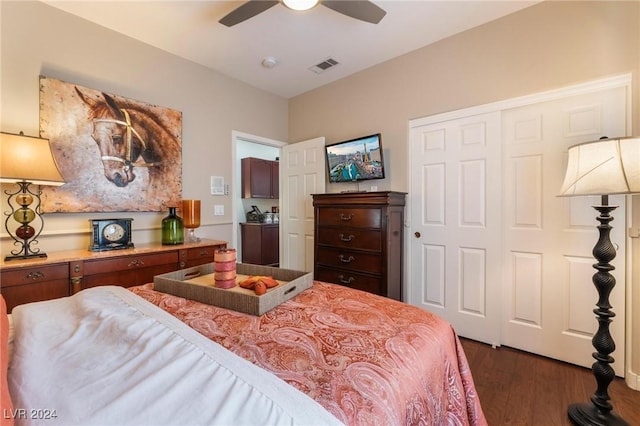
<point>324,65</point>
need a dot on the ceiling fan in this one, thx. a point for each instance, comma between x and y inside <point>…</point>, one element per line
<point>363,10</point>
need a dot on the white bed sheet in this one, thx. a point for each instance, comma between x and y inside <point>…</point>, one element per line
<point>10,337</point>
<point>107,357</point>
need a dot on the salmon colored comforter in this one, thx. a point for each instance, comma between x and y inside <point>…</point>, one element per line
<point>367,359</point>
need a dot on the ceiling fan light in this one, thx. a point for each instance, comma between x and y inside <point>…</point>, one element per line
<point>300,4</point>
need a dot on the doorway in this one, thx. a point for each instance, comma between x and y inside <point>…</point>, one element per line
<point>247,145</point>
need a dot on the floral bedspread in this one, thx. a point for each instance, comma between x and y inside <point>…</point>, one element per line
<point>367,359</point>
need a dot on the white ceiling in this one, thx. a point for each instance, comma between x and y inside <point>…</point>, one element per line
<point>298,40</point>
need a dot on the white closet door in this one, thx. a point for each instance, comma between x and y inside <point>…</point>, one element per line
<point>302,173</point>
<point>455,219</point>
<point>548,293</point>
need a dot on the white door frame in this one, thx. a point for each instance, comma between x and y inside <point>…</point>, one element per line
<point>236,137</point>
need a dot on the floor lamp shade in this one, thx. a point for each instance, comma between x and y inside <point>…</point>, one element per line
<point>604,167</point>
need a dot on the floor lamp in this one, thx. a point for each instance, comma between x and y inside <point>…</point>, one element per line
<point>604,167</point>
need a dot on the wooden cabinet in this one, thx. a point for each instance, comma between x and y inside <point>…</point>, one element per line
<point>66,272</point>
<point>260,178</point>
<point>359,240</point>
<point>260,243</point>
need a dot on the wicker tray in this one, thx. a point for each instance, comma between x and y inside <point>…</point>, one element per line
<point>197,284</point>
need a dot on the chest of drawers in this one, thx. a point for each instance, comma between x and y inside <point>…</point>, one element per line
<point>359,240</point>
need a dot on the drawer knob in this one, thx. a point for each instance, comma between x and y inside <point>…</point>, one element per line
<point>346,239</point>
<point>204,253</point>
<point>346,217</point>
<point>35,275</point>
<point>135,262</point>
<point>343,281</point>
<point>344,259</point>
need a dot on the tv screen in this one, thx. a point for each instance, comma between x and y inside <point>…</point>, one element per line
<point>355,159</point>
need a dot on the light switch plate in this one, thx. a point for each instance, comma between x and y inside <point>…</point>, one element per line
<point>218,210</point>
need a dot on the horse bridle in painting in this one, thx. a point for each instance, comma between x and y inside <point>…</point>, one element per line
<point>127,160</point>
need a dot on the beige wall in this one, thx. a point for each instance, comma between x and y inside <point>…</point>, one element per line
<point>38,39</point>
<point>547,46</point>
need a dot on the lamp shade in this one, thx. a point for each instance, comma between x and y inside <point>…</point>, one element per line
<point>26,158</point>
<point>604,167</point>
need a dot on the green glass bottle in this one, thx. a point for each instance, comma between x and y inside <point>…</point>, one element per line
<point>172,228</point>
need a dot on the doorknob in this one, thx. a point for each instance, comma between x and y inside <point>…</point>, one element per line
<point>417,234</point>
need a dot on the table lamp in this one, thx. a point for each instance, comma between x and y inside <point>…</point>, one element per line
<point>604,167</point>
<point>26,161</point>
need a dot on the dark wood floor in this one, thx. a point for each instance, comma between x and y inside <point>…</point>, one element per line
<point>519,388</point>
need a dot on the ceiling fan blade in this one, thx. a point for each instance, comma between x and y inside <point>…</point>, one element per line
<point>363,10</point>
<point>246,11</point>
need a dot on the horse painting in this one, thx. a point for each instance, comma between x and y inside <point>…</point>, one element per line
<point>137,150</point>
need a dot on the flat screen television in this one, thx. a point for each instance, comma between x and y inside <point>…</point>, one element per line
<point>356,159</point>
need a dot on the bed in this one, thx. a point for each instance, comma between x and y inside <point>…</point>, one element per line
<point>330,355</point>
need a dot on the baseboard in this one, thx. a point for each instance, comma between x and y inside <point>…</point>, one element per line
<point>633,380</point>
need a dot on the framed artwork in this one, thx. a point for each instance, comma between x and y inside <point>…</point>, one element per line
<point>115,154</point>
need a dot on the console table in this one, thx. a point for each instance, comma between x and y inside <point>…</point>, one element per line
<point>359,240</point>
<point>64,273</point>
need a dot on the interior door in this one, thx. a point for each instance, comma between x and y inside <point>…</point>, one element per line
<point>302,173</point>
<point>455,222</point>
<point>548,293</point>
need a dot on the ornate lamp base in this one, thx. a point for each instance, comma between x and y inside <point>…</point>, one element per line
<point>25,256</point>
<point>599,412</point>
<point>25,237</point>
<point>588,414</point>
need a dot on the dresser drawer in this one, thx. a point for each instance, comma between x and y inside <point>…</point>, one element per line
<point>34,275</point>
<point>351,217</point>
<point>354,261</point>
<point>352,238</point>
<point>27,293</point>
<point>127,277</point>
<point>35,283</point>
<point>197,256</point>
<point>130,262</point>
<point>350,279</point>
